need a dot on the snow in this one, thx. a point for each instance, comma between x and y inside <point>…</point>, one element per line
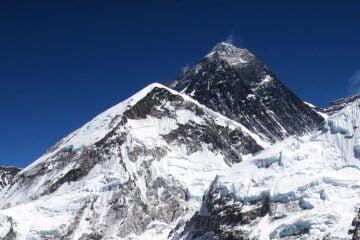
<point>321,172</point>
<point>251,96</point>
<point>310,104</point>
<point>5,226</point>
<point>266,79</point>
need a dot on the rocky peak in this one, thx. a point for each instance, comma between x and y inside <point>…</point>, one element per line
<point>224,47</point>
<point>233,82</point>
<point>231,54</point>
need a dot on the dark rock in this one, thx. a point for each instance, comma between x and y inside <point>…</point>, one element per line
<point>355,230</point>
<point>7,174</point>
<point>220,212</point>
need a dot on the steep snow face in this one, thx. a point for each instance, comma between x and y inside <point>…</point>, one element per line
<point>302,188</point>
<point>6,175</point>
<point>235,83</point>
<point>133,172</point>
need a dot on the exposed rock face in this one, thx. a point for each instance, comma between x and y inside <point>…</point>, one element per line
<point>133,170</point>
<point>355,231</point>
<point>302,188</point>
<point>220,213</point>
<point>235,83</point>
<point>339,104</point>
<point>7,174</point>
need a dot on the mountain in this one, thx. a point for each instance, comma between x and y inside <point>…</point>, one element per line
<point>196,162</point>
<point>233,82</point>
<point>339,104</point>
<point>133,172</point>
<point>302,188</point>
<point>7,174</point>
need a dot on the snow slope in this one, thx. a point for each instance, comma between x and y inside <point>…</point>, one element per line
<point>302,188</point>
<point>133,172</point>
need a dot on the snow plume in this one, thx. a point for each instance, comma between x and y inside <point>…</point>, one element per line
<point>185,68</point>
<point>230,39</point>
<point>234,39</point>
<point>354,82</point>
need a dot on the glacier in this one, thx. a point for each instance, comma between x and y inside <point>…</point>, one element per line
<point>301,188</point>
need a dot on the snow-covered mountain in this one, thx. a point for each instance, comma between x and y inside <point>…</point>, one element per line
<point>302,188</point>
<point>133,172</point>
<point>233,82</point>
<point>197,163</point>
<point>6,175</point>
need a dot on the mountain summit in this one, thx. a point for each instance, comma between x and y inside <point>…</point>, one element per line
<point>233,82</point>
<point>232,54</point>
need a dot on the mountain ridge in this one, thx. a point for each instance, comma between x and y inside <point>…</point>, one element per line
<point>339,104</point>
<point>132,172</point>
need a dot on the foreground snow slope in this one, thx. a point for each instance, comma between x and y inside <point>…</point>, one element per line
<point>130,173</point>
<point>302,188</point>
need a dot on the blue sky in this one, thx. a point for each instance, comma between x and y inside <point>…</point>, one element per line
<point>63,62</point>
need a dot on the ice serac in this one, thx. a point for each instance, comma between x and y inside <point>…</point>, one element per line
<point>302,188</point>
<point>132,172</point>
<point>233,82</point>
<point>7,174</point>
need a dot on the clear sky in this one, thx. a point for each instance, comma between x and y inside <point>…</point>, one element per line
<point>63,62</point>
